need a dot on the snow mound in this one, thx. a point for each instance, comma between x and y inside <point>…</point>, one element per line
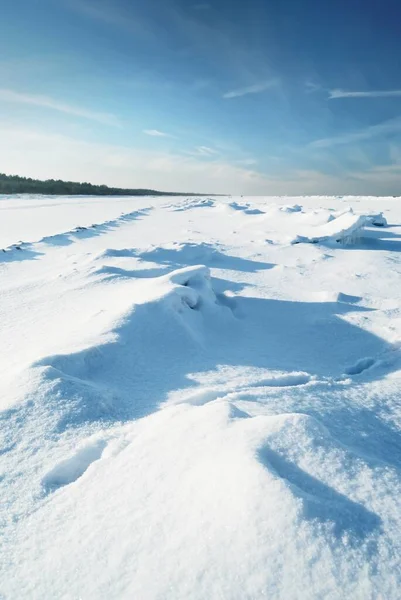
<point>245,208</point>
<point>345,229</point>
<point>190,286</point>
<point>168,319</point>
<point>378,220</point>
<point>291,208</point>
<point>191,204</point>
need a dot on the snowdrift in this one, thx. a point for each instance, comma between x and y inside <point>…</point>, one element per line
<point>345,229</point>
<point>168,319</point>
<point>192,406</point>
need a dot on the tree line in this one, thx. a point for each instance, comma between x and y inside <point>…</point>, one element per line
<point>14,184</point>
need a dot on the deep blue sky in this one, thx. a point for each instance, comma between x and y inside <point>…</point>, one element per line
<point>262,96</point>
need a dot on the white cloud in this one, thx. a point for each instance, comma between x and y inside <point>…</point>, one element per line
<point>387,127</point>
<point>12,96</point>
<point>257,88</point>
<point>334,94</point>
<point>156,133</point>
<point>48,155</point>
<point>205,150</point>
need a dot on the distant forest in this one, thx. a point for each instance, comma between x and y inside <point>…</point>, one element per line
<point>13,184</point>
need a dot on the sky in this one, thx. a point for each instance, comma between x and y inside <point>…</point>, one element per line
<point>271,97</point>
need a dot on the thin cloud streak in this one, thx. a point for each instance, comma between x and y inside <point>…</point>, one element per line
<point>113,15</point>
<point>206,150</point>
<point>257,88</point>
<point>335,94</point>
<point>52,104</point>
<point>156,133</point>
<point>390,126</point>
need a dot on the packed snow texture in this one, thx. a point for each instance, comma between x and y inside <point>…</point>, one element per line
<point>196,406</point>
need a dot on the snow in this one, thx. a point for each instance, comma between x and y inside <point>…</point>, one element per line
<point>30,218</point>
<point>378,220</point>
<point>345,229</point>
<point>193,406</point>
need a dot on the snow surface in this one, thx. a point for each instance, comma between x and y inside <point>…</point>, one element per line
<point>195,407</point>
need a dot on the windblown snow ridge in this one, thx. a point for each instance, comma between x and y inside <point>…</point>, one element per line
<point>148,351</point>
<point>345,229</point>
<point>21,250</point>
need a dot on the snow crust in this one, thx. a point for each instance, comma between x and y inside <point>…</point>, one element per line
<point>193,405</point>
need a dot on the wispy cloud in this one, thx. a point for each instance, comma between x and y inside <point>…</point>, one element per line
<point>216,40</point>
<point>257,88</point>
<point>53,104</point>
<point>312,87</point>
<point>43,155</point>
<point>382,129</point>
<point>156,133</point>
<point>206,150</point>
<point>335,94</point>
<point>40,154</point>
<point>203,152</point>
<point>114,14</point>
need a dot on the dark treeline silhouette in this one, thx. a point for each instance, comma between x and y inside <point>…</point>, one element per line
<point>13,184</point>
